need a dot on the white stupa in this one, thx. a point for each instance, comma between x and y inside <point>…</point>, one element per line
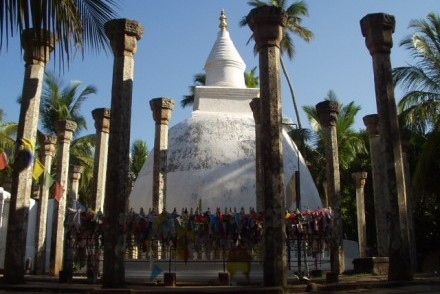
<point>211,155</point>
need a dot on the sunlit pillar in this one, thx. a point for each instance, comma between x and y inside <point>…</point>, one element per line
<point>48,152</point>
<point>162,109</point>
<point>36,55</point>
<point>102,125</point>
<point>65,130</point>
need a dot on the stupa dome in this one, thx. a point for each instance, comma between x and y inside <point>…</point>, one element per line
<point>211,155</point>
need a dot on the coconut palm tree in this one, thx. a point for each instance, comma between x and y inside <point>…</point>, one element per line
<point>138,156</point>
<point>59,102</point>
<point>76,24</point>
<point>419,113</point>
<point>250,79</point>
<point>419,107</point>
<point>294,12</point>
<point>62,103</point>
<point>349,142</point>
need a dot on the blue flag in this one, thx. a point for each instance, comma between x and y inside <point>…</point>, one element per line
<point>155,271</point>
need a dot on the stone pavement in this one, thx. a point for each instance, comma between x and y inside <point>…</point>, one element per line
<point>347,284</point>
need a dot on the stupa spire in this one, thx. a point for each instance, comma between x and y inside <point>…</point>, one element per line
<point>223,24</point>
<point>224,66</point>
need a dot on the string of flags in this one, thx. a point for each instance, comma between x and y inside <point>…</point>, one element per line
<point>27,150</point>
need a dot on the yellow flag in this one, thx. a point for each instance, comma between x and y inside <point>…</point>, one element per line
<point>38,169</point>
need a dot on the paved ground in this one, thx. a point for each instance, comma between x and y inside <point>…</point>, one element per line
<point>347,284</point>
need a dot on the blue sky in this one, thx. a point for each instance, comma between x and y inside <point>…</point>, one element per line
<point>179,36</point>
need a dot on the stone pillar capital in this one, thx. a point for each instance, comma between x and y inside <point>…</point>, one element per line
<point>328,112</point>
<point>102,119</point>
<point>77,171</point>
<point>123,35</point>
<point>377,28</point>
<point>255,105</point>
<point>267,23</point>
<point>162,108</point>
<point>65,129</point>
<point>371,121</point>
<point>49,143</point>
<point>37,46</point>
<point>359,179</point>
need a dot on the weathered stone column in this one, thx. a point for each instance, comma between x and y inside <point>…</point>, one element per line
<point>380,185</point>
<point>102,125</point>
<point>267,24</point>
<point>48,152</point>
<point>328,115</point>
<point>124,35</point>
<point>359,182</point>
<point>405,137</point>
<point>36,55</point>
<point>256,109</point>
<point>77,171</point>
<point>377,30</point>
<point>65,129</point>
<point>162,109</point>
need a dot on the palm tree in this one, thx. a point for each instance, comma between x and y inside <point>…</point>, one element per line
<point>62,104</point>
<point>419,107</point>
<point>419,113</point>
<point>199,80</point>
<point>250,79</point>
<point>76,24</point>
<point>294,12</point>
<point>138,156</point>
<point>350,144</point>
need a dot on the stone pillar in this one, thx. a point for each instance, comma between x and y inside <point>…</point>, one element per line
<point>380,185</point>
<point>77,171</point>
<point>328,115</point>
<point>377,30</point>
<point>162,109</point>
<point>36,55</point>
<point>267,24</point>
<point>359,181</point>
<point>405,137</point>
<point>256,109</point>
<point>123,35</point>
<point>102,125</point>
<point>65,129</point>
<point>48,152</point>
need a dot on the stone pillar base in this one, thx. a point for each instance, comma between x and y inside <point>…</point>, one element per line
<point>224,279</point>
<point>169,279</point>
<point>331,277</point>
<point>372,265</point>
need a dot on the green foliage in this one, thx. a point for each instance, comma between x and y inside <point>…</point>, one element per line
<point>76,24</point>
<point>138,156</point>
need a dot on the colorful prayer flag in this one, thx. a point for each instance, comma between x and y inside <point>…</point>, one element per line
<point>27,149</point>
<point>59,190</point>
<point>38,169</point>
<point>49,180</point>
<point>3,160</point>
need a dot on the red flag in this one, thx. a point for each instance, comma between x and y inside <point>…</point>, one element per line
<point>3,161</point>
<point>59,190</point>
